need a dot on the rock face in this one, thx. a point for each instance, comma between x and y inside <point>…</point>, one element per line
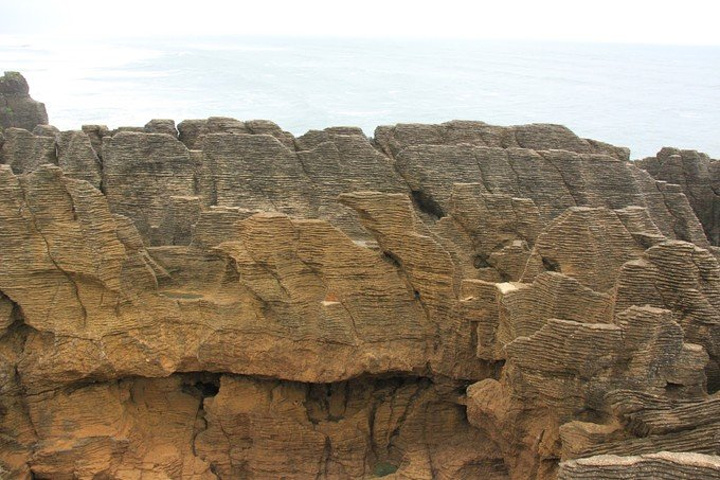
<point>658,465</point>
<point>456,301</point>
<point>699,178</point>
<point>17,109</point>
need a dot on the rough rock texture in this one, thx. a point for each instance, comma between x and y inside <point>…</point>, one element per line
<point>665,465</point>
<point>699,178</point>
<point>17,109</point>
<point>454,301</point>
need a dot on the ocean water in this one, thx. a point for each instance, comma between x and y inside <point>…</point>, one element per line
<point>640,96</point>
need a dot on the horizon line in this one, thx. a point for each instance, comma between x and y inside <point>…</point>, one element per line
<point>337,36</point>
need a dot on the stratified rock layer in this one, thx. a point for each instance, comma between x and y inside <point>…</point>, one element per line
<point>223,300</point>
<point>699,178</point>
<point>653,466</point>
<point>17,109</point>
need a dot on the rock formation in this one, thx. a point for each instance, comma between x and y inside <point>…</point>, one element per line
<point>699,178</point>
<point>221,299</point>
<point>17,109</point>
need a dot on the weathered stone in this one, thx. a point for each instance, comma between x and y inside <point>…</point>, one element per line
<point>443,301</point>
<point>25,152</point>
<point>180,218</point>
<point>7,316</point>
<point>683,278</point>
<point>656,465</point>
<point>96,133</point>
<point>394,139</point>
<point>77,157</point>
<point>357,429</point>
<point>46,131</point>
<point>123,428</point>
<point>699,178</point>
<point>192,131</point>
<point>17,109</point>
<point>314,138</point>
<point>165,126</point>
<point>141,172</point>
<point>567,371</point>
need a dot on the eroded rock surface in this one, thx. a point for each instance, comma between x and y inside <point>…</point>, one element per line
<point>17,109</point>
<point>699,178</point>
<point>657,465</point>
<point>456,301</point>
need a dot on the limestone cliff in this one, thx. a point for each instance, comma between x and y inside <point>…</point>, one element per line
<point>221,299</point>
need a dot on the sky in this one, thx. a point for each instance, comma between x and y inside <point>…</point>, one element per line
<point>687,22</point>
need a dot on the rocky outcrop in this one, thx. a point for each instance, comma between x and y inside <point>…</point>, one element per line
<point>17,109</point>
<point>699,178</point>
<point>223,300</point>
<point>651,466</point>
<point>539,137</point>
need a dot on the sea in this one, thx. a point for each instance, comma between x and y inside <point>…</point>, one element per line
<point>640,96</point>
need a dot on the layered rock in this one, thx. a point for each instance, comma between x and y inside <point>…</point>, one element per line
<point>393,139</point>
<point>699,178</point>
<point>657,465</point>
<point>17,108</point>
<point>222,300</point>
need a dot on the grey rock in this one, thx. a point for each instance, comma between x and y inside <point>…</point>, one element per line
<point>17,108</point>
<point>166,126</point>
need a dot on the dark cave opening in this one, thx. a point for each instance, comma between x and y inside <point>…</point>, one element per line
<point>481,261</point>
<point>551,265</point>
<point>427,204</point>
<point>202,384</point>
<point>207,389</point>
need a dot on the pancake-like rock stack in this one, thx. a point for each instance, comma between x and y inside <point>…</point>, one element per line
<point>17,108</point>
<point>223,300</point>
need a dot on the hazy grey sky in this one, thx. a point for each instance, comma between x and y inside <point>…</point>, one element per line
<point>643,21</point>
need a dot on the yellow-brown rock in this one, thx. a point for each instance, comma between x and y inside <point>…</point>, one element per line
<point>456,301</point>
